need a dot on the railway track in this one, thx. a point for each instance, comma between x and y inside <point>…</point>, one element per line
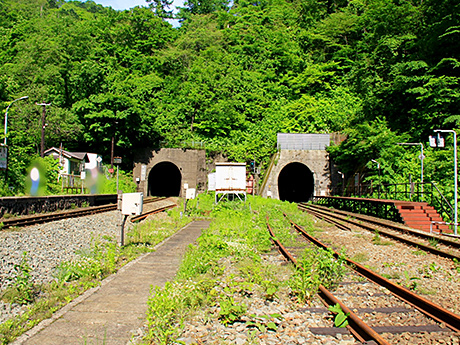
<point>148,213</point>
<point>53,216</point>
<point>429,242</point>
<point>377,308</point>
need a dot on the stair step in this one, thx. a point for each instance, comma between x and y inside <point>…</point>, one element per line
<point>420,215</point>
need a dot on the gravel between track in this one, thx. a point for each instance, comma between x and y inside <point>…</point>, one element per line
<point>429,275</point>
<point>49,244</point>
<point>437,278</point>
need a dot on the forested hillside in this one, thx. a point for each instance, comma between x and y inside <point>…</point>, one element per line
<point>232,76</point>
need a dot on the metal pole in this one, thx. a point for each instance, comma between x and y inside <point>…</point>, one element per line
<point>455,174</point>
<point>111,153</point>
<point>6,116</point>
<point>42,144</point>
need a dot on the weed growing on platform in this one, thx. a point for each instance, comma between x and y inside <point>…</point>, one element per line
<point>226,266</point>
<point>74,277</point>
<point>154,230</point>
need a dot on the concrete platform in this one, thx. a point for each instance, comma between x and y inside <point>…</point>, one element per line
<point>112,313</point>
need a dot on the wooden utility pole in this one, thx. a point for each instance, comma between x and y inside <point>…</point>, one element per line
<point>42,145</point>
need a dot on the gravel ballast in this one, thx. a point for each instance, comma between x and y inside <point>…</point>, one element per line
<point>49,244</point>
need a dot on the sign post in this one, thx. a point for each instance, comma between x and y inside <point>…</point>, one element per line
<point>117,161</point>
<point>438,141</point>
<point>131,205</point>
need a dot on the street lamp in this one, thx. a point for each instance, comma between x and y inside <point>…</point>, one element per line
<point>440,143</point>
<point>421,159</point>
<point>378,167</point>
<point>6,116</point>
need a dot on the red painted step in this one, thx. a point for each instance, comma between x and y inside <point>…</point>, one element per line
<point>419,215</point>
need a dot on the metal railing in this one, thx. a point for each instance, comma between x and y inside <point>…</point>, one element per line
<point>72,183</point>
<point>414,191</point>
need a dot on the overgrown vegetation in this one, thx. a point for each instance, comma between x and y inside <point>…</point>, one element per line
<point>232,76</point>
<point>72,278</point>
<point>227,265</point>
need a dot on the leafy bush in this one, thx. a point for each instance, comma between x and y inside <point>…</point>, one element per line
<point>316,267</point>
<point>21,288</point>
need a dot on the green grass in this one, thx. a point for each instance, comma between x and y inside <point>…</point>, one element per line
<point>225,266</point>
<point>103,258</point>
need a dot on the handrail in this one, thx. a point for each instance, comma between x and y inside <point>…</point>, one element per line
<point>268,172</point>
<point>443,201</point>
<point>412,191</point>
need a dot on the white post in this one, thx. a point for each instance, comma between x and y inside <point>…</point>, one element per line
<point>455,174</point>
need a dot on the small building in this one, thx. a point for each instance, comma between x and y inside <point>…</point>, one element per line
<point>73,164</point>
<point>230,180</point>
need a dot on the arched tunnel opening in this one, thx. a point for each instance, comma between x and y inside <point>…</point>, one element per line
<point>164,180</point>
<point>296,183</point>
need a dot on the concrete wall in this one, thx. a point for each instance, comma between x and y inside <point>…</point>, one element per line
<point>191,164</point>
<point>316,160</point>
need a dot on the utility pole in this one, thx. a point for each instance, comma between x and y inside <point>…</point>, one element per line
<point>42,145</point>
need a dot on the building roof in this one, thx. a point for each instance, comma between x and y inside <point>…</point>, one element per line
<point>80,156</point>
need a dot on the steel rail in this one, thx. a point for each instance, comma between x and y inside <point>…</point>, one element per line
<point>427,307</point>
<point>362,331</point>
<point>422,246</point>
<point>329,219</point>
<point>48,217</point>
<point>146,214</point>
<point>389,224</point>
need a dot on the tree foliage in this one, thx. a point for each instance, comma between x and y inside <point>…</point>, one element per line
<point>231,76</point>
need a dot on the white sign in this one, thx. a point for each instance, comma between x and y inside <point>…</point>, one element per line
<point>190,193</point>
<point>212,181</point>
<point>83,175</point>
<point>143,172</point>
<point>231,176</point>
<point>131,203</point>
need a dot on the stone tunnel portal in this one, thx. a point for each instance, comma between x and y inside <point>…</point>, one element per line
<point>296,183</point>
<point>164,180</point>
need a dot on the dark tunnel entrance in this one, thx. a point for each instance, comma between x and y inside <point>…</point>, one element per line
<point>296,183</point>
<point>164,180</point>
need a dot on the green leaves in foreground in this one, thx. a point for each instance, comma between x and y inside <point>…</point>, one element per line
<point>316,267</point>
<point>341,319</point>
<point>230,311</point>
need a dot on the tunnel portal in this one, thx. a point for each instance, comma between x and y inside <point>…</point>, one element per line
<point>164,180</point>
<point>296,183</point>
